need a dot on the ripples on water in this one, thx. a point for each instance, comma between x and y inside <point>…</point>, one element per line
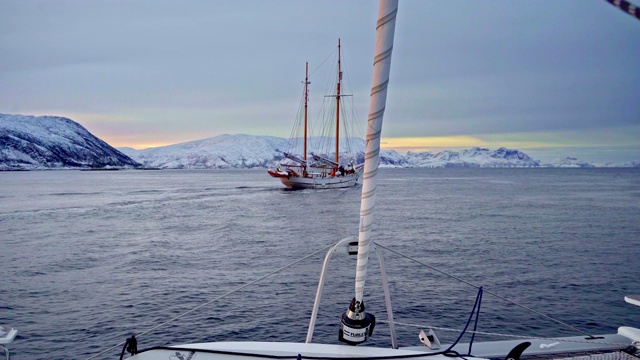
<point>89,258</point>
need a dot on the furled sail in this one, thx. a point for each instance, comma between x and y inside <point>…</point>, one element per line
<point>324,160</point>
<point>294,158</point>
<point>382,64</point>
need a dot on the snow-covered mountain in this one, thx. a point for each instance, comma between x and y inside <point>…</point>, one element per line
<point>237,151</point>
<point>46,142</point>
<point>247,151</point>
<point>220,152</point>
<point>571,162</point>
<point>51,142</point>
<point>474,157</point>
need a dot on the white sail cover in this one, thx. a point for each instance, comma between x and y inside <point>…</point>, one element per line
<point>324,160</point>
<point>381,65</point>
<point>295,158</point>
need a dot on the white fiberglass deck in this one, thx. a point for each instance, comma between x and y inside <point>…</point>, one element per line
<point>243,350</point>
<point>562,347</point>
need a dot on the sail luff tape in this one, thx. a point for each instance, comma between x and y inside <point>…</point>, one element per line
<point>364,259</point>
<point>380,87</point>
<point>376,114</point>
<point>362,228</point>
<point>367,195</point>
<point>382,56</point>
<point>371,154</point>
<point>374,135</point>
<point>365,228</point>
<point>366,212</point>
<point>387,18</point>
<point>370,174</point>
<point>361,269</point>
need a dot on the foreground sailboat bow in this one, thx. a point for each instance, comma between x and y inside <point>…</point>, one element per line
<point>357,325</point>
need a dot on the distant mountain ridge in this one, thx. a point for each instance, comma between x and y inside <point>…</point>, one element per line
<point>474,157</point>
<point>52,142</point>
<point>248,151</point>
<point>252,151</point>
<point>220,152</point>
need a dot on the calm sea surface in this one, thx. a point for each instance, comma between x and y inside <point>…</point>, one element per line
<point>88,258</point>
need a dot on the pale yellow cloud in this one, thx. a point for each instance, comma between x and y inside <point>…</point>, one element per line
<point>434,143</point>
<point>143,145</point>
<point>529,140</point>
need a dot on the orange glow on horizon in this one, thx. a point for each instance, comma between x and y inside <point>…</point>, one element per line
<point>139,146</point>
<point>438,143</point>
<point>399,144</point>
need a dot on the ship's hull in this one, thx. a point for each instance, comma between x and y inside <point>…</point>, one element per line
<point>277,174</point>
<point>320,181</point>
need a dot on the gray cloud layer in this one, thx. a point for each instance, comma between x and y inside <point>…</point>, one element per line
<point>459,67</point>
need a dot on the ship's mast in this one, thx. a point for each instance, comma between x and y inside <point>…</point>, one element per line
<point>306,100</point>
<point>338,108</point>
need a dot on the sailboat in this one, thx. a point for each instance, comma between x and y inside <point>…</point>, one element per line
<point>320,171</point>
<point>356,325</point>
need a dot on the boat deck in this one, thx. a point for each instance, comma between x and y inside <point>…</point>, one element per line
<point>566,347</point>
<point>603,347</point>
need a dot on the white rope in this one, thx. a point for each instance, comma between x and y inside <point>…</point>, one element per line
<point>213,300</point>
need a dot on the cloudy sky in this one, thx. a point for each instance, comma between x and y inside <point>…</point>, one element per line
<point>552,78</point>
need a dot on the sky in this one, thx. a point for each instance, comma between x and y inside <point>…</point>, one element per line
<point>551,78</point>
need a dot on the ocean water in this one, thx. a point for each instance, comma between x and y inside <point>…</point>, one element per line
<point>89,258</point>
